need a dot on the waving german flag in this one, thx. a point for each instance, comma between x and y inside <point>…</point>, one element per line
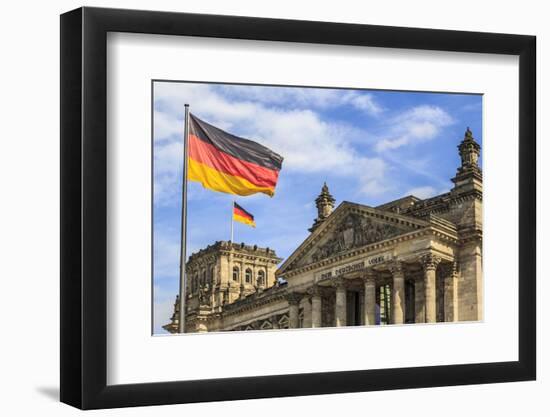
<point>223,162</point>
<point>242,216</point>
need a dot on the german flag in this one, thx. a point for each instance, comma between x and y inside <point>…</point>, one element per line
<point>243,216</point>
<point>227,163</point>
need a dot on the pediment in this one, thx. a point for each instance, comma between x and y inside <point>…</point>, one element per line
<point>349,227</point>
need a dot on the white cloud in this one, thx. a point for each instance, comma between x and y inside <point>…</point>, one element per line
<point>308,144</point>
<point>365,102</point>
<point>167,252</point>
<point>317,98</point>
<point>169,157</point>
<point>168,163</point>
<point>373,179</point>
<point>419,124</point>
<point>422,192</point>
<point>170,99</point>
<point>166,125</point>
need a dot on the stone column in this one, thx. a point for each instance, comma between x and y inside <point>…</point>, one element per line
<point>340,306</point>
<point>316,307</point>
<point>306,305</point>
<point>369,308</point>
<point>430,262</point>
<point>275,322</point>
<point>398,293</point>
<point>361,305</point>
<point>451,291</point>
<point>293,310</point>
<point>419,310</point>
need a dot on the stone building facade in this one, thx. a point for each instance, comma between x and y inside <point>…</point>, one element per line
<point>411,260</point>
<point>222,275</point>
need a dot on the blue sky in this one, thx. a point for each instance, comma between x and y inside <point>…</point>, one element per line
<point>370,147</point>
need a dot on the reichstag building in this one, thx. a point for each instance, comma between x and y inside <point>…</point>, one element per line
<point>406,261</point>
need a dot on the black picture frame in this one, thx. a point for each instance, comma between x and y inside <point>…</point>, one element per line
<point>84,207</point>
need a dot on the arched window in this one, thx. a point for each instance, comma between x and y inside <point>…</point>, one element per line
<point>236,273</point>
<point>261,278</point>
<point>203,277</point>
<point>195,283</point>
<point>248,275</point>
<point>211,277</point>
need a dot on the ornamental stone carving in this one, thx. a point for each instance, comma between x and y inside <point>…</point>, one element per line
<point>469,151</point>
<point>396,268</point>
<point>339,283</point>
<point>430,261</point>
<point>355,231</point>
<point>314,291</point>
<point>204,295</point>
<point>370,275</point>
<point>450,269</point>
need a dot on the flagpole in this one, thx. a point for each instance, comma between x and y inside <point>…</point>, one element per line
<point>183,245</point>
<point>232,210</point>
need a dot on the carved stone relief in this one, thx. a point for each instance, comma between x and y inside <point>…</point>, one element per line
<point>354,231</point>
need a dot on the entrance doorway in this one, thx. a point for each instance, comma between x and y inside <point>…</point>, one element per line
<point>409,301</point>
<point>353,304</point>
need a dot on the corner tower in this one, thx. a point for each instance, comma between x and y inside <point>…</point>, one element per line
<point>468,175</point>
<point>325,205</point>
<point>466,210</point>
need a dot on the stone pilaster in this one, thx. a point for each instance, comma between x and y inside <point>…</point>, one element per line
<point>293,310</point>
<point>242,292</point>
<point>450,276</point>
<point>306,305</point>
<point>398,293</point>
<point>340,307</point>
<point>271,279</point>
<point>419,302</point>
<point>369,309</point>
<point>316,307</point>
<point>429,263</point>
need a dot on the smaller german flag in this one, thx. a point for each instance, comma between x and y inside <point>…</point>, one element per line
<point>242,216</point>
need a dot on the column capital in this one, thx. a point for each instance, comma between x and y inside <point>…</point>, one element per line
<point>314,291</point>
<point>369,277</point>
<point>430,261</point>
<point>294,298</point>
<point>396,267</point>
<point>339,283</point>
<point>450,269</point>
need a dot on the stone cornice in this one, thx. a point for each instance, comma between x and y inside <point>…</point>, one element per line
<point>264,317</point>
<point>342,210</point>
<point>294,298</point>
<point>254,301</point>
<point>432,230</point>
<point>469,235</point>
<point>442,203</point>
<point>251,257</point>
<point>212,252</point>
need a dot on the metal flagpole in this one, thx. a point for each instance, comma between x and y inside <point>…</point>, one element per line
<point>232,210</point>
<point>183,275</point>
